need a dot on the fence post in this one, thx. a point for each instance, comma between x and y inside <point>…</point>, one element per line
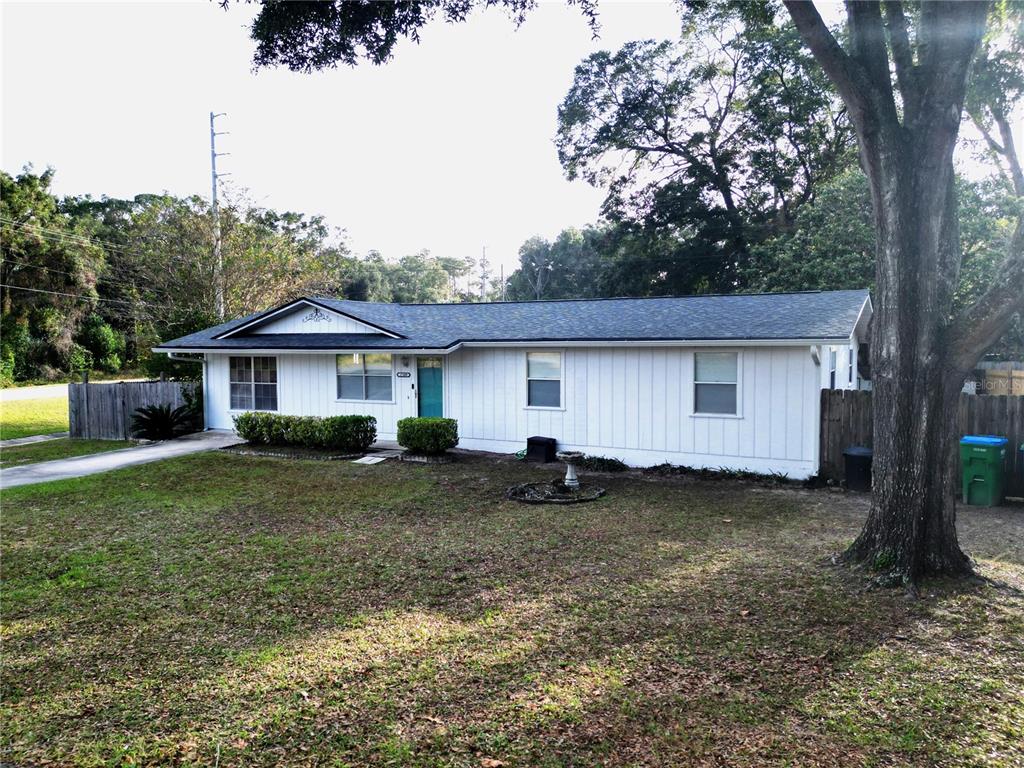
<point>123,392</point>
<point>86,433</point>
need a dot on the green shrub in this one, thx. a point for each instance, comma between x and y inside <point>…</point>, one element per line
<point>602,464</point>
<point>79,358</point>
<point>6,366</point>
<point>348,433</point>
<point>428,435</point>
<point>351,434</point>
<point>161,422</point>
<point>106,344</point>
<point>16,343</point>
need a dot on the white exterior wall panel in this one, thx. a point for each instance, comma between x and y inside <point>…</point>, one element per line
<point>307,386</point>
<point>634,403</point>
<point>637,404</point>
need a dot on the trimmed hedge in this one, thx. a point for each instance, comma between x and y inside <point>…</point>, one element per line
<point>351,434</point>
<point>428,436</point>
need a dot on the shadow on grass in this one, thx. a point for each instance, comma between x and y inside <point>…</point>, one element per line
<point>271,611</point>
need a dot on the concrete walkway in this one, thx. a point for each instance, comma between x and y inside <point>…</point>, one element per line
<point>80,466</point>
<point>14,442</point>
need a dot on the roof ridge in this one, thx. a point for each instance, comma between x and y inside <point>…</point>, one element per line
<point>594,298</point>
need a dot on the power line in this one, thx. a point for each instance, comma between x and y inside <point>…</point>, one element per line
<point>71,236</point>
<point>80,297</point>
<point>81,240</point>
<point>104,280</point>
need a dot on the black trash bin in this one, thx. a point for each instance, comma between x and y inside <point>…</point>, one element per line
<point>857,459</point>
<point>540,449</point>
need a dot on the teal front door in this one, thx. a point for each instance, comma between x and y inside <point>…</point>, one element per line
<point>431,386</point>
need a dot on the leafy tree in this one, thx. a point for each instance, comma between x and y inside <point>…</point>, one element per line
<point>730,129</point>
<point>832,245</point>
<point>996,87</point>
<point>568,268</point>
<point>49,271</point>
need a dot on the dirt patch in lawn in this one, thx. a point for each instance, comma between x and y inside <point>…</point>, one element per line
<point>306,613</point>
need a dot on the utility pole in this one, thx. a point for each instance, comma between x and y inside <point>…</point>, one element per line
<point>214,176</point>
<point>485,273</point>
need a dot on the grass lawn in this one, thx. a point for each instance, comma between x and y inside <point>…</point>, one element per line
<point>63,448</point>
<point>240,610</point>
<point>21,418</point>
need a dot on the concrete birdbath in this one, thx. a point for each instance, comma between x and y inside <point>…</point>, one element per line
<point>571,459</point>
<point>567,491</point>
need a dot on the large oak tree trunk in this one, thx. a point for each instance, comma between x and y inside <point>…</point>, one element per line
<point>921,349</point>
<point>911,529</point>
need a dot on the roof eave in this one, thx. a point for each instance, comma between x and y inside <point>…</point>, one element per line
<point>610,342</point>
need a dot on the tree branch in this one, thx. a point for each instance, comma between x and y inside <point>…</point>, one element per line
<point>903,57</point>
<point>847,75</point>
<point>1009,151</point>
<point>867,41</point>
<point>979,326</point>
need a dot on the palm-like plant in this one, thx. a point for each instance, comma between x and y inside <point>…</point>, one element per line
<point>161,422</point>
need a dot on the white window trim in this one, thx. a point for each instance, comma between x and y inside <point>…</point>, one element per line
<point>252,385</point>
<point>694,413</point>
<point>561,381</point>
<point>362,402</point>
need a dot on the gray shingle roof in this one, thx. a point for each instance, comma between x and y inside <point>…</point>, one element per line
<point>736,317</point>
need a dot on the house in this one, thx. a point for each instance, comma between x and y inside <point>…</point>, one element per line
<point>706,381</point>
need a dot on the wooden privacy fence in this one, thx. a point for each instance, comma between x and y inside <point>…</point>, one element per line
<point>846,421</point>
<point>104,411</point>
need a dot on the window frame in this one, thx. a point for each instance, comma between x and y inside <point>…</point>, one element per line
<point>527,378</point>
<point>252,383</point>
<point>738,414</point>
<point>364,400</point>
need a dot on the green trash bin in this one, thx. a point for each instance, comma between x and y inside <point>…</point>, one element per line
<point>981,459</point>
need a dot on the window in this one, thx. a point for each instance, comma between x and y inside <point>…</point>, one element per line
<point>850,356</point>
<point>364,376</point>
<point>832,368</point>
<point>544,379</point>
<point>253,382</point>
<point>714,382</point>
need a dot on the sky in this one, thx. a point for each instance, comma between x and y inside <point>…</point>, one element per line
<point>447,147</point>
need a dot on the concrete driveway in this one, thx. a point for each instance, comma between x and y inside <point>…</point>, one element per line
<point>80,466</point>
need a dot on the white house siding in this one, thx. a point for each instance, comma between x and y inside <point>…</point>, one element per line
<point>307,319</point>
<point>635,403</point>
<point>307,386</point>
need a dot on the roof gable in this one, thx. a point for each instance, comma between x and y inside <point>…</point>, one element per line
<point>305,316</point>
